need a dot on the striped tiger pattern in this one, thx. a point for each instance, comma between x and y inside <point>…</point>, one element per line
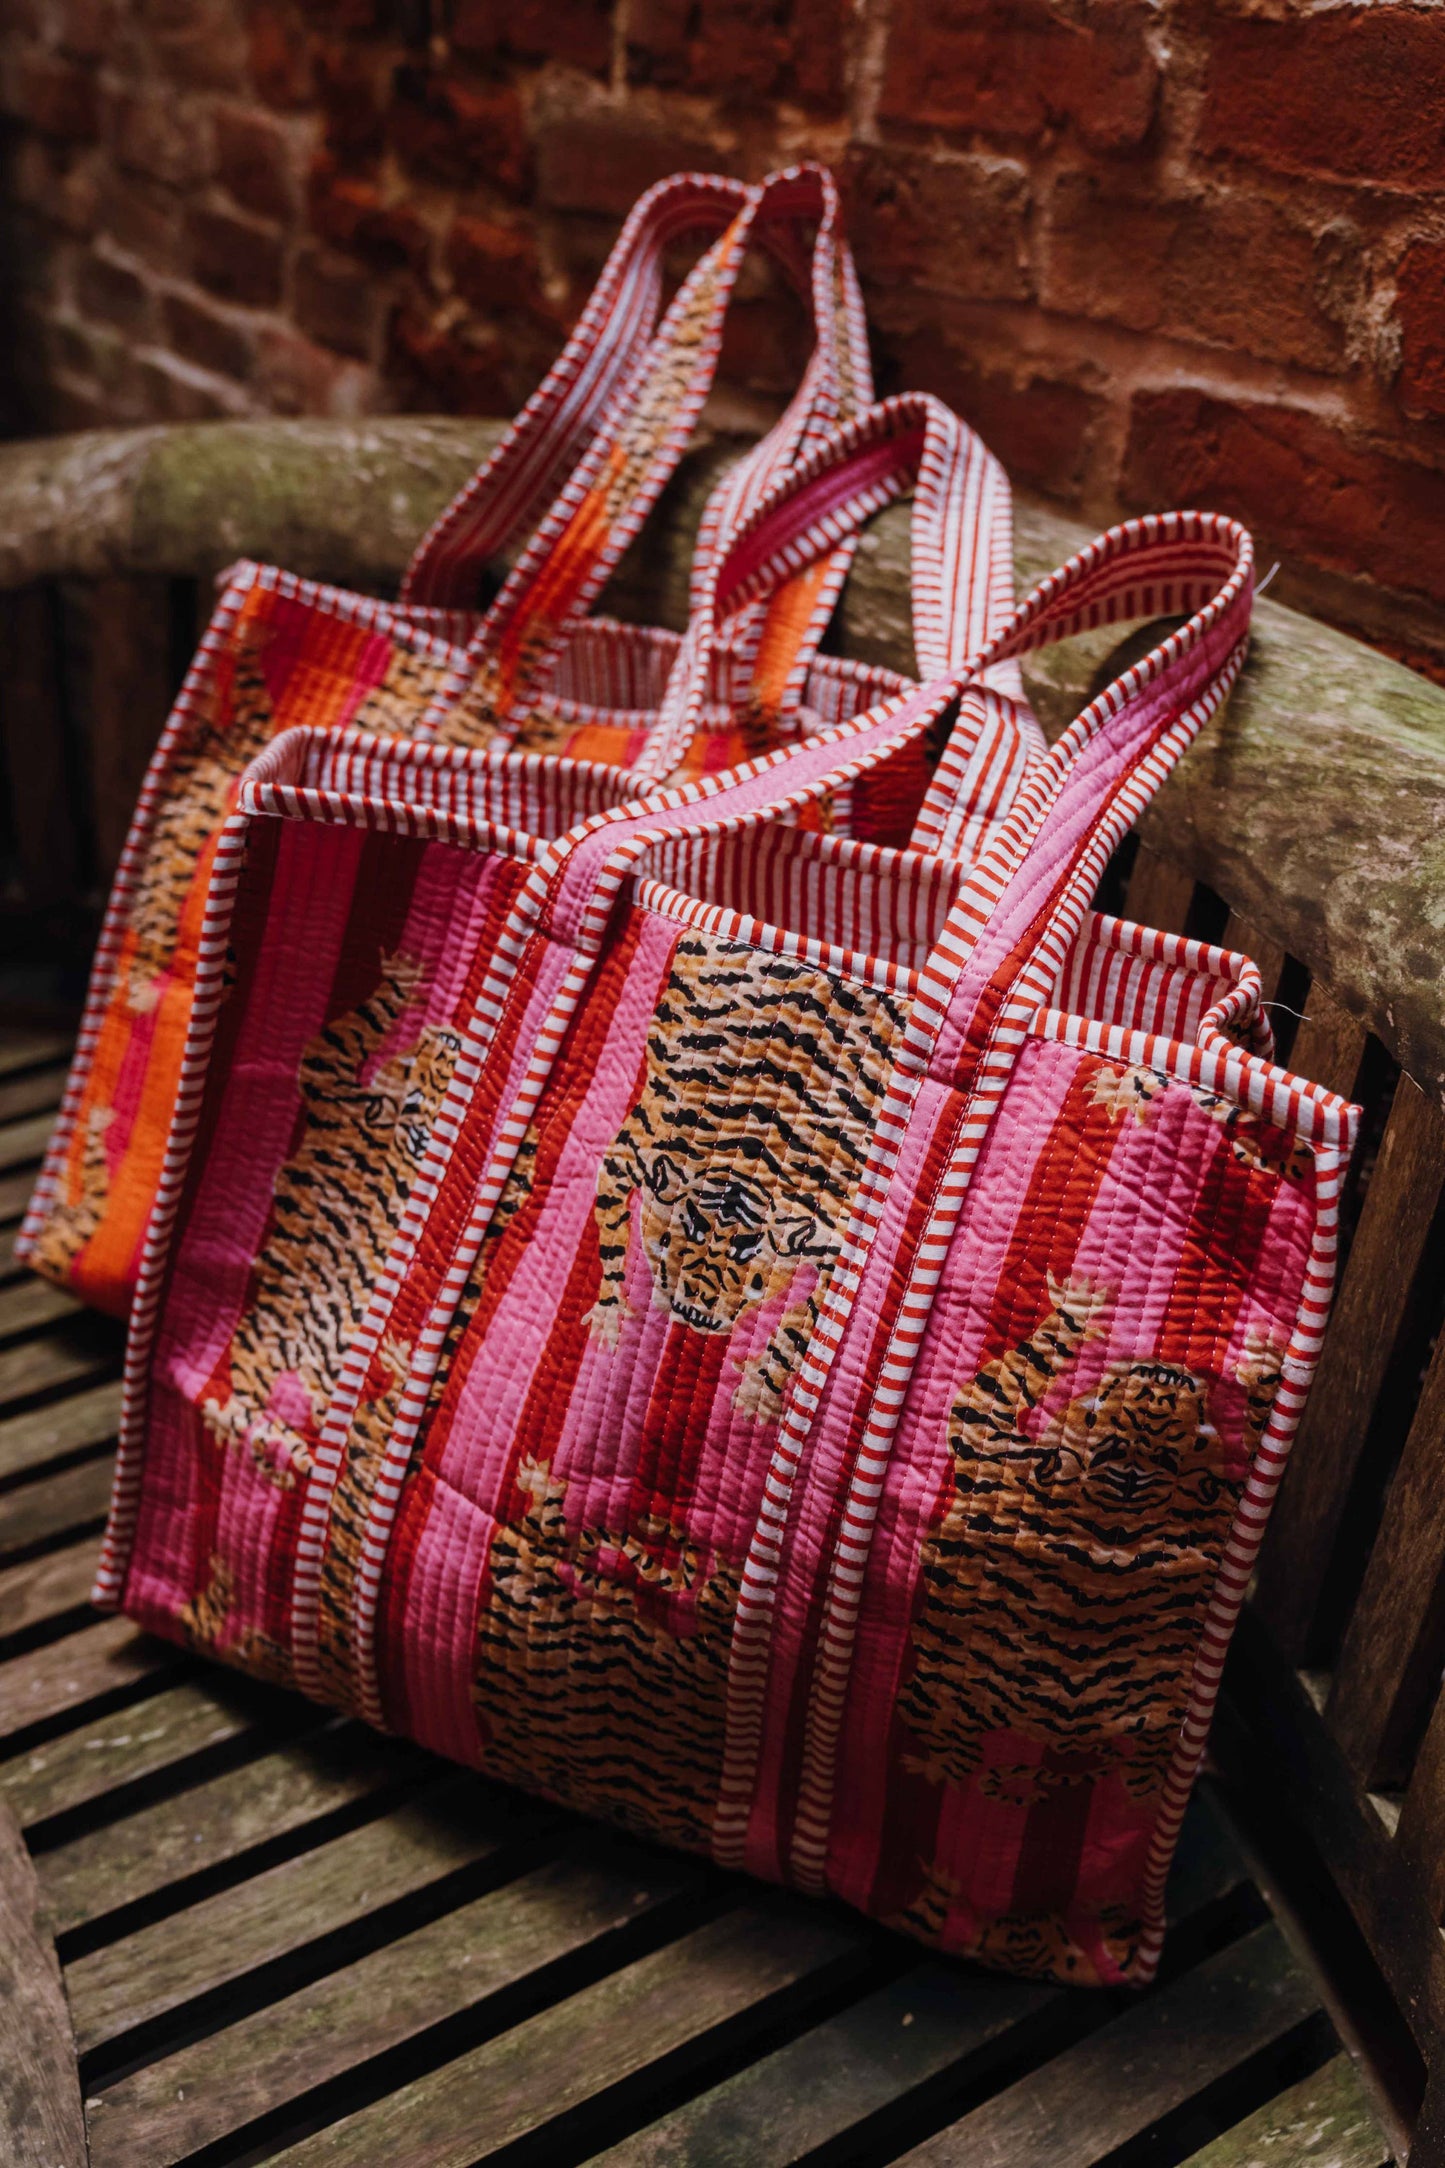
<point>602,1665</point>
<point>1065,1585</point>
<point>744,1147</point>
<point>336,1206</point>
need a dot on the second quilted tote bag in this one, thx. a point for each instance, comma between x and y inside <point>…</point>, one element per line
<point>609,425</point>
<point>783,1343</point>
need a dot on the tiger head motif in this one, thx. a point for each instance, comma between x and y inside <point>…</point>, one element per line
<point>718,1241</point>
<point>1141,1431</point>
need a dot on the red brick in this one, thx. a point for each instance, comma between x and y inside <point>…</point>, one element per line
<point>169,393</point>
<point>1308,488</point>
<point>164,137</point>
<point>1022,68</point>
<point>201,45</point>
<point>279,54</point>
<point>354,214</point>
<point>144,219</point>
<point>59,180</point>
<point>601,163</point>
<point>296,377</point>
<point>255,162</point>
<point>495,267</point>
<point>338,302</point>
<point>447,369</point>
<point>748,47</point>
<point>114,294</point>
<point>346,92</point>
<point>1039,425</point>
<point>86,28</point>
<point>1421,309</point>
<point>1234,270</point>
<point>57,97</point>
<point>956,225</point>
<point>235,257</point>
<point>206,336</point>
<point>1356,93</point>
<point>576,32</point>
<point>451,132</point>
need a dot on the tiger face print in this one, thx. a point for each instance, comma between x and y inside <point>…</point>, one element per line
<point>1064,1589</point>
<point>744,1149</point>
<point>336,1207</point>
<point>601,1670</point>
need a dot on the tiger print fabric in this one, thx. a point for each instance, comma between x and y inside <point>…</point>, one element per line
<point>593,1450</point>
<point>616,1341</point>
<point>748,1059</point>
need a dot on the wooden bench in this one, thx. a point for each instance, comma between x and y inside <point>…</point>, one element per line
<point>232,1930</point>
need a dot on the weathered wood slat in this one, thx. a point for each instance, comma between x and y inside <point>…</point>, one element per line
<point>219,1821</point>
<point>1160,893</point>
<point>1249,940</point>
<point>72,1499</point>
<point>1370,1316</point>
<point>1288,1748</point>
<point>213,1943</point>
<point>1082,2105</point>
<point>15,1192</point>
<point>130,1743</point>
<point>934,2018</point>
<point>24,1049</point>
<point>1329,1045</point>
<point>1420,1831</point>
<point>46,1587</point>
<point>337,2024</point>
<point>42,2124</point>
<point>31,1091</point>
<point>99,1660</point>
<point>518,2083</point>
<point>78,1352</point>
<point>82,1419</point>
<point>870,2057</point>
<point>1390,1662</point>
<point>32,726</point>
<point>128,688</point>
<point>1323,2122</point>
<point>32,1305</point>
<point>23,1142</point>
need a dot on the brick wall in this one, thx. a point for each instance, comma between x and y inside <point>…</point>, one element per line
<point>1159,250</point>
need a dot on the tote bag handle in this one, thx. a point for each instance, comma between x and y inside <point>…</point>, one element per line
<point>618,479</point>
<point>1174,564</point>
<point>514,487</point>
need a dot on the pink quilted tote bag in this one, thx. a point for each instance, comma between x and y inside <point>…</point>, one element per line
<point>781,1342</point>
<point>607,427</point>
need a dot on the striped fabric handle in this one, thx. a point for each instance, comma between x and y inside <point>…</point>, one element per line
<point>1166,565</point>
<point>961,539</point>
<point>513,489</point>
<point>636,448</point>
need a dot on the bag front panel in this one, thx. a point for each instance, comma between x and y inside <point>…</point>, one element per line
<point>275,655</point>
<point>355,952</point>
<point>565,1568</point>
<point>1099,1366</point>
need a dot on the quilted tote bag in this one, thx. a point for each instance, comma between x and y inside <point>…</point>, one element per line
<point>778,1341</point>
<point>608,426</point>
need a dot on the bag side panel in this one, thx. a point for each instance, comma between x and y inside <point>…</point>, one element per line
<point>1087,1407</point>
